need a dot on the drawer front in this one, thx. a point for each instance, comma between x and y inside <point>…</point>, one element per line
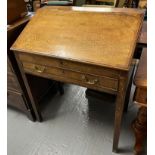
<point>83,79</point>
<point>12,82</point>
<point>69,65</point>
<point>141,95</point>
<point>16,100</point>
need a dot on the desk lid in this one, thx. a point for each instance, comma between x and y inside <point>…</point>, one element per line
<point>100,36</point>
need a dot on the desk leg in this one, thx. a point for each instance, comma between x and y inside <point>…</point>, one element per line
<point>35,105</point>
<point>140,129</point>
<point>119,111</point>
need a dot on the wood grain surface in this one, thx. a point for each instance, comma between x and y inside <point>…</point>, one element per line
<point>104,37</point>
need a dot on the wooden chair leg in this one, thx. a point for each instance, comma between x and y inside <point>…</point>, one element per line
<point>139,126</point>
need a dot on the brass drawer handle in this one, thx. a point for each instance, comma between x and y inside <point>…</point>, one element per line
<point>88,81</point>
<point>39,69</point>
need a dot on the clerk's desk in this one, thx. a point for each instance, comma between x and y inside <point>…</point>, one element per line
<point>90,47</point>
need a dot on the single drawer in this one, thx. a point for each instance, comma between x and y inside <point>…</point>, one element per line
<point>12,82</point>
<point>75,77</point>
<point>67,64</point>
<point>141,95</point>
<point>16,100</point>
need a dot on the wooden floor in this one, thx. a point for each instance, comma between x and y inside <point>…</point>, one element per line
<point>72,126</point>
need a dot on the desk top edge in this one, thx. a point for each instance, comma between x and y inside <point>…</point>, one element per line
<point>73,60</point>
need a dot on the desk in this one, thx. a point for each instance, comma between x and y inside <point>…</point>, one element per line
<point>140,98</point>
<point>60,44</point>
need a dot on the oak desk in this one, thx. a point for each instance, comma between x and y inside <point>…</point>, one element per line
<point>140,98</point>
<point>90,47</point>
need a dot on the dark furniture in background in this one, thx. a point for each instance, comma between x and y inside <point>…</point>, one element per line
<point>140,98</point>
<point>131,3</point>
<point>136,3</point>
<point>143,36</point>
<point>16,9</point>
<point>103,3</point>
<point>17,95</point>
<point>142,41</point>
